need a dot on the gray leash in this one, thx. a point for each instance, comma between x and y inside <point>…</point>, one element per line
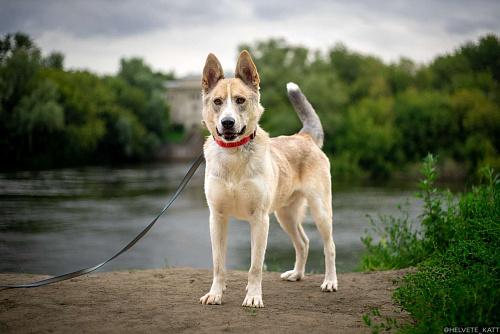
<point>88,270</point>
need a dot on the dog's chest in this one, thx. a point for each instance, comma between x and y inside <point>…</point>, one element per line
<point>239,199</point>
<point>239,191</point>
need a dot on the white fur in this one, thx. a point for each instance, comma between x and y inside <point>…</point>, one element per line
<point>229,97</point>
<point>292,86</point>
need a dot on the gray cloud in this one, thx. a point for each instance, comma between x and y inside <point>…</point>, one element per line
<point>84,19</point>
<point>103,18</point>
<point>176,34</point>
<point>274,10</point>
<point>465,25</point>
<point>457,17</point>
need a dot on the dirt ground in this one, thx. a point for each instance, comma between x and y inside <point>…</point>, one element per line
<point>166,301</point>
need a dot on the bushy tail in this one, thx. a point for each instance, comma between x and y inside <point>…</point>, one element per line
<point>310,120</point>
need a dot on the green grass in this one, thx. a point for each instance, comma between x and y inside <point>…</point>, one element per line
<point>274,267</point>
<point>166,266</point>
<point>457,252</point>
<point>252,311</point>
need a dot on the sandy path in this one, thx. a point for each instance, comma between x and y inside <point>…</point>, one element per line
<point>166,300</point>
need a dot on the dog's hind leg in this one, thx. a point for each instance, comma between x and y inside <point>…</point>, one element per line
<point>290,218</point>
<point>320,204</point>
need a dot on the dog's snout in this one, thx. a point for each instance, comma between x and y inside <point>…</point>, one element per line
<point>227,123</point>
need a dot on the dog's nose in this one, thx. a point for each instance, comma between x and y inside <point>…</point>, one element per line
<point>227,123</point>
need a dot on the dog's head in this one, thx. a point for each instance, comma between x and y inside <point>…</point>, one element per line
<point>231,107</point>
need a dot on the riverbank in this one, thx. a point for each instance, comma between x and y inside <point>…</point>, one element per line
<point>166,300</point>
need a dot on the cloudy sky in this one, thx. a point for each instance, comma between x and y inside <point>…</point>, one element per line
<point>178,35</point>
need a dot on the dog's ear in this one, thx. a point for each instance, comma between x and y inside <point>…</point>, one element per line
<point>246,70</point>
<point>212,73</point>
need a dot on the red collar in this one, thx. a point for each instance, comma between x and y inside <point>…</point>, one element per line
<point>238,143</point>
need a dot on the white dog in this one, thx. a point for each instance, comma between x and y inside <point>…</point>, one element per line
<point>249,175</point>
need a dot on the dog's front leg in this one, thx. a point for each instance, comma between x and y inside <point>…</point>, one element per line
<point>259,230</point>
<point>218,234</point>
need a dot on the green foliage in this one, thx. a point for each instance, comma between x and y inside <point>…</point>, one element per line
<point>386,324</point>
<point>461,287</point>
<point>140,79</point>
<point>55,60</point>
<point>483,56</point>
<point>19,66</point>
<point>368,133</point>
<point>401,245</point>
<point>51,117</point>
<point>458,283</point>
<point>426,123</point>
<point>38,114</point>
<point>439,209</point>
<point>275,267</point>
<point>379,118</point>
<point>479,119</point>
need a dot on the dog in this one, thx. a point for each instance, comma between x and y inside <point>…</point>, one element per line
<point>249,175</point>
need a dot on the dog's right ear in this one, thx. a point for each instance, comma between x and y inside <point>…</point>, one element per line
<point>212,73</point>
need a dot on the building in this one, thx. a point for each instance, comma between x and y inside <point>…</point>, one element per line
<point>184,98</point>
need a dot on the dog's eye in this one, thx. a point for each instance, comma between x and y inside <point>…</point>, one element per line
<point>218,102</point>
<point>240,100</point>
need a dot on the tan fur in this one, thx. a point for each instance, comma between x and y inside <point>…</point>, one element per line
<point>262,176</point>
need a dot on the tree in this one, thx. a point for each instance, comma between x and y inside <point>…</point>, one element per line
<point>426,123</point>
<point>140,76</point>
<point>368,138</point>
<point>55,60</point>
<point>28,106</point>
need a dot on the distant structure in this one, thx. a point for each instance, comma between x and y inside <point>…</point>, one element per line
<point>184,98</point>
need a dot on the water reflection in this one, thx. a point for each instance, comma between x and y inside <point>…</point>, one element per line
<point>60,220</point>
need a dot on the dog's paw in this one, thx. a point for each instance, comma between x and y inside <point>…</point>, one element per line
<point>253,301</point>
<point>211,299</point>
<point>329,286</point>
<point>292,275</point>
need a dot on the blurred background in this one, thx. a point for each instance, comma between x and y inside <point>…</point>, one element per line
<point>100,109</point>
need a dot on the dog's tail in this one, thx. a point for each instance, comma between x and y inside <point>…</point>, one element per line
<point>310,120</point>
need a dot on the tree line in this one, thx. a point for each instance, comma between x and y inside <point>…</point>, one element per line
<point>378,118</point>
<point>51,117</point>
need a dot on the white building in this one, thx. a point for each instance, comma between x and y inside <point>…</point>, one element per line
<point>184,98</point>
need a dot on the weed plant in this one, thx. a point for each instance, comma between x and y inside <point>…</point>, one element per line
<point>402,245</point>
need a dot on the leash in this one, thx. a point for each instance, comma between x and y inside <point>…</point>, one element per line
<point>88,270</point>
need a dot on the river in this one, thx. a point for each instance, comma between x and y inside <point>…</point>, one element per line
<point>56,221</point>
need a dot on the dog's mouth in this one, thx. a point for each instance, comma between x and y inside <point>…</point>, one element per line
<point>229,135</point>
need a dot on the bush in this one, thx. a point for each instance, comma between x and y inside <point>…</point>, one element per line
<point>458,283</point>
<point>461,287</point>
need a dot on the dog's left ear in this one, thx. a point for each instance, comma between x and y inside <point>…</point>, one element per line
<point>246,70</point>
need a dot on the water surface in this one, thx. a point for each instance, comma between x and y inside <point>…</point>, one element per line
<point>56,221</point>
